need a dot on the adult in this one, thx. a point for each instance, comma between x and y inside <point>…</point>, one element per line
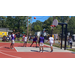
<point>25,41</point>
<point>18,36</point>
<point>12,41</point>
<point>9,36</point>
<point>51,41</point>
<point>34,41</point>
<point>70,41</point>
<point>41,42</point>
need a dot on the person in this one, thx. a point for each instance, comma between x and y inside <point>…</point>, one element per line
<point>51,41</point>
<point>12,41</point>
<point>70,41</point>
<point>18,36</point>
<point>41,42</point>
<point>23,37</point>
<point>25,41</point>
<point>4,38</point>
<point>34,41</point>
<point>7,38</point>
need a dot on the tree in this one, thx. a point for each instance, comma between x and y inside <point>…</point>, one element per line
<point>71,25</point>
<point>37,26</point>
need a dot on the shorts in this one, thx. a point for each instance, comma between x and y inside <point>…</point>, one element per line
<point>12,41</point>
<point>70,43</point>
<point>34,41</point>
<point>41,44</point>
<point>25,41</point>
<point>51,44</point>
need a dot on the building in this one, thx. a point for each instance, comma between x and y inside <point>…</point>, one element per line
<point>4,31</point>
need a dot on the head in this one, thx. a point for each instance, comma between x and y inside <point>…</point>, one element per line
<point>41,35</point>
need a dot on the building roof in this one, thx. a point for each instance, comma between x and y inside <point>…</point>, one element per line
<point>5,29</point>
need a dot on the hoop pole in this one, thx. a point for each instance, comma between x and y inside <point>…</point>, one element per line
<point>62,36</point>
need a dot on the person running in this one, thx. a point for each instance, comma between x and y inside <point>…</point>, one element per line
<point>51,41</point>
<point>25,41</point>
<point>12,41</point>
<point>34,41</point>
<point>41,42</point>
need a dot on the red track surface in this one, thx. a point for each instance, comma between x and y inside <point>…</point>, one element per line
<point>6,52</point>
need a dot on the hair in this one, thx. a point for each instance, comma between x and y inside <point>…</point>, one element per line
<point>41,35</point>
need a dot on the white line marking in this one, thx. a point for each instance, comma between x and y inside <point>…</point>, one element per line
<point>10,55</point>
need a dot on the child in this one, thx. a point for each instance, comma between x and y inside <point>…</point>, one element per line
<point>25,41</point>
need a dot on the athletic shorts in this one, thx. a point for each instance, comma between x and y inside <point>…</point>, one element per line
<point>34,41</point>
<point>51,44</point>
<point>41,44</point>
<point>12,41</point>
<point>70,43</point>
<point>25,41</point>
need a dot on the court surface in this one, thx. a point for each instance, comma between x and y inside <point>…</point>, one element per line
<point>32,52</point>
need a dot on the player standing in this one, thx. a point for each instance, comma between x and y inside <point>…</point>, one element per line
<point>41,42</point>
<point>25,41</point>
<point>51,41</point>
<point>34,41</point>
<point>12,40</point>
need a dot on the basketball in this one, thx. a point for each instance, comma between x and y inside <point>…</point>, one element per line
<point>34,17</point>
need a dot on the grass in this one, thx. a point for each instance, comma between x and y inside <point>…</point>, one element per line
<point>73,49</point>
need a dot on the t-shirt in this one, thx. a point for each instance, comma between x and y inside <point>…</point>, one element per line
<point>41,39</point>
<point>70,40</point>
<point>51,39</point>
<point>12,37</point>
<point>35,39</point>
<point>25,38</point>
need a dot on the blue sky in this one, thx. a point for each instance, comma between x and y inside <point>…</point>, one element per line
<point>40,18</point>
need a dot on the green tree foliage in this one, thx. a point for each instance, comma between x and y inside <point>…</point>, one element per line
<point>71,25</point>
<point>19,24</point>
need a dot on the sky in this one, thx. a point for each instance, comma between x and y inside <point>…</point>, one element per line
<point>40,18</point>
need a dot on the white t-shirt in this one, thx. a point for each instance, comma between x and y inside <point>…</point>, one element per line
<point>51,39</point>
<point>25,38</point>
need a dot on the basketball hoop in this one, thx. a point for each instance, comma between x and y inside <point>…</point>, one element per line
<point>52,26</point>
<point>55,22</point>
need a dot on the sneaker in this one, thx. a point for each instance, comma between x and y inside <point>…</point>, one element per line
<point>39,51</point>
<point>51,50</point>
<point>42,51</point>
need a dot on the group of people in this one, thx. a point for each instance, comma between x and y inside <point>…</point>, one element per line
<point>40,40</point>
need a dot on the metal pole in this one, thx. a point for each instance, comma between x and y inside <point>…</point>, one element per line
<point>65,37</point>
<point>27,26</point>
<point>62,36</point>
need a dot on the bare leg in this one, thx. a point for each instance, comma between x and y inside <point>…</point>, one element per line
<point>42,48</point>
<point>36,44</point>
<point>31,44</point>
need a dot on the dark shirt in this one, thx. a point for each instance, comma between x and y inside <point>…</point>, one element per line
<point>35,39</point>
